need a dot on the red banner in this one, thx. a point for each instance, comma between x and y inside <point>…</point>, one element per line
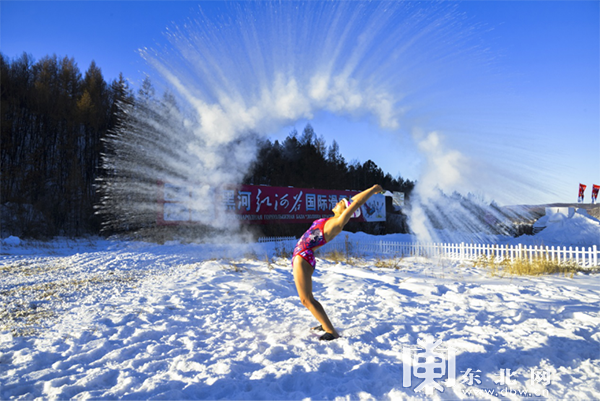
<point>595,190</point>
<point>581,192</point>
<point>264,205</point>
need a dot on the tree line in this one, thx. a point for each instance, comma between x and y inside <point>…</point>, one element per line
<point>54,120</point>
<point>305,161</point>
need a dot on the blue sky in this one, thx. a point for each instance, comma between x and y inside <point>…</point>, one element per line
<point>543,60</point>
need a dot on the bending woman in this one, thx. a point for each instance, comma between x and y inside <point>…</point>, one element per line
<point>303,260</point>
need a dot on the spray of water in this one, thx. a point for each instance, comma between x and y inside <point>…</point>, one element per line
<point>248,69</point>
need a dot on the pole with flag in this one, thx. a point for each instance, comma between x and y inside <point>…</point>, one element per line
<point>581,192</point>
<point>595,190</point>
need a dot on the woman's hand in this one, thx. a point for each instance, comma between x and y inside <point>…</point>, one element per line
<point>378,189</point>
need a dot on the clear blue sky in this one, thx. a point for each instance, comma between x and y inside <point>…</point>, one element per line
<point>543,58</point>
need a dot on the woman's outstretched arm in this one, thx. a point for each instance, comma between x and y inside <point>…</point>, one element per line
<point>336,224</point>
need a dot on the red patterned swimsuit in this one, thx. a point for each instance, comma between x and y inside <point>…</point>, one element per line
<point>313,238</point>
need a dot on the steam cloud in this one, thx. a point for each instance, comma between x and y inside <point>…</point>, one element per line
<point>236,75</point>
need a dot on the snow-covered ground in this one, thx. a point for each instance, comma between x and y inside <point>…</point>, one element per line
<point>131,320</point>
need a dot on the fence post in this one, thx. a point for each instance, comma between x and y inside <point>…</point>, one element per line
<point>594,256</point>
<point>520,251</point>
<point>587,256</point>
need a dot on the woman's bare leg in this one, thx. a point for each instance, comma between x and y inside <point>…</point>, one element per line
<point>303,279</point>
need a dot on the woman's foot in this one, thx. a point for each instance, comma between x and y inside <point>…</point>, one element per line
<point>328,337</point>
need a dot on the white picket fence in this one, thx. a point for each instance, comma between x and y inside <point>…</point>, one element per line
<point>583,257</point>
<point>276,239</point>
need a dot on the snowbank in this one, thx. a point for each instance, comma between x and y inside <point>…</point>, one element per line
<point>567,227</point>
<point>11,241</point>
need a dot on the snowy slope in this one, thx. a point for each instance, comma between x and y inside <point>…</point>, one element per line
<point>577,229</point>
<point>142,321</point>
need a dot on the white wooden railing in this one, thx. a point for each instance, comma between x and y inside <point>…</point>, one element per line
<point>584,257</point>
<point>276,239</point>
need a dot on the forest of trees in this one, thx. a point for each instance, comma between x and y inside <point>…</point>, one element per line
<point>305,161</point>
<point>54,119</point>
<point>53,122</point>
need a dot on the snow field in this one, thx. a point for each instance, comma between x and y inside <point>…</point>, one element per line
<point>178,322</point>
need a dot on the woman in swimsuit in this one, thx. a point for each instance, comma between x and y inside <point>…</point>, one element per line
<point>303,261</point>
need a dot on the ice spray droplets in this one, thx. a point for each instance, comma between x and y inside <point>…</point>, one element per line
<point>248,69</point>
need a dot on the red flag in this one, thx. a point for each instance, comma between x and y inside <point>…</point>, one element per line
<point>595,190</point>
<point>581,191</point>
